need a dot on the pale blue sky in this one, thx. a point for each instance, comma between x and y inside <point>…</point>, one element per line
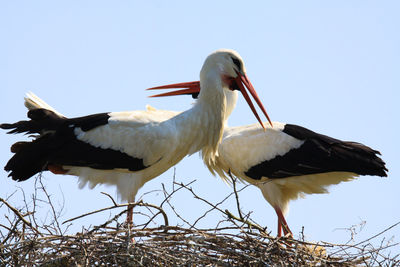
<point>331,67</point>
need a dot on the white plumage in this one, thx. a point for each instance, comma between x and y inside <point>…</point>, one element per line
<point>127,149</point>
<point>108,136</point>
<point>148,135</point>
<point>119,134</point>
<point>288,161</point>
<point>243,147</point>
<point>285,161</point>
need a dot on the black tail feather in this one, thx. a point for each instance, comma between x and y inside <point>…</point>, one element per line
<point>41,120</point>
<point>18,146</point>
<point>56,143</point>
<point>28,160</point>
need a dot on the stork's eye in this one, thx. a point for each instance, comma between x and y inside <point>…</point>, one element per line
<point>237,63</point>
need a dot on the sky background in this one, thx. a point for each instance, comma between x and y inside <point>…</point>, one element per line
<point>332,67</point>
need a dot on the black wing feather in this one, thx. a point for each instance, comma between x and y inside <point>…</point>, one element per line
<point>57,145</point>
<point>320,154</point>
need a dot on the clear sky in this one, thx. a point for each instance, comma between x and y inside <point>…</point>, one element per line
<point>332,67</point>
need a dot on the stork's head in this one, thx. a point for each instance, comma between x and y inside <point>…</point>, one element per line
<point>222,70</point>
<point>225,63</point>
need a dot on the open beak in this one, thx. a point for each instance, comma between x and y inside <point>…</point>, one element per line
<point>242,81</point>
<point>190,88</point>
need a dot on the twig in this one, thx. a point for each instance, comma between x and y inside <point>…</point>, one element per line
<point>166,200</point>
<point>342,249</point>
<point>112,199</point>
<point>141,204</point>
<point>106,223</point>
<point>236,194</point>
<point>250,224</point>
<point>50,203</point>
<point>19,215</point>
<point>378,234</point>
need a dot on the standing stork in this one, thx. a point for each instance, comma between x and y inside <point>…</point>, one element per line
<point>127,149</point>
<point>287,161</point>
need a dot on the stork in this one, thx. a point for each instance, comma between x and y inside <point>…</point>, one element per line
<point>127,149</point>
<point>287,161</point>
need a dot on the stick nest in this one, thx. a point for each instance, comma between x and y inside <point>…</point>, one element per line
<point>235,241</point>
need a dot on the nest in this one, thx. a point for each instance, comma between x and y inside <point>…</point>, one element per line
<point>240,241</point>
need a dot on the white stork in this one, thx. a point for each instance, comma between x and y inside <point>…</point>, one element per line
<point>287,161</point>
<point>127,149</point>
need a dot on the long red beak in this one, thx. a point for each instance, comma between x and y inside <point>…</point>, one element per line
<point>242,79</point>
<point>190,88</point>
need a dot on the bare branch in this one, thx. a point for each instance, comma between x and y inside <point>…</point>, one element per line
<point>236,194</point>
<point>19,215</point>
<point>112,199</point>
<point>142,204</point>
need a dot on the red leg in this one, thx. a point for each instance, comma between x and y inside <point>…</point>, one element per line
<point>282,222</point>
<point>129,216</point>
<point>279,228</point>
<point>129,220</point>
